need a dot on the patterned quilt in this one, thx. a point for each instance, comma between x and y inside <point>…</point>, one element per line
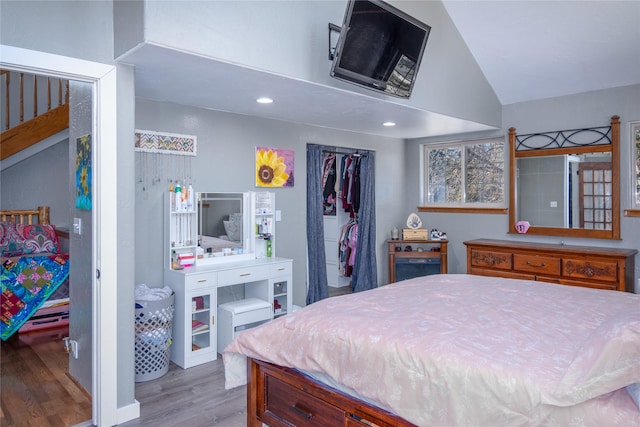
<point>27,282</point>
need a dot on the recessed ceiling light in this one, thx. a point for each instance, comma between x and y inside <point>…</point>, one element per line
<point>389,124</point>
<point>264,100</point>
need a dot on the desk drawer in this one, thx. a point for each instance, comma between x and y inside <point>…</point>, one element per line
<point>536,264</point>
<point>294,407</point>
<point>493,259</point>
<point>198,281</point>
<point>280,270</point>
<point>242,275</point>
<point>594,270</point>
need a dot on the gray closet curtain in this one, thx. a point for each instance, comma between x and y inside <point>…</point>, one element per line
<point>365,270</point>
<point>318,288</point>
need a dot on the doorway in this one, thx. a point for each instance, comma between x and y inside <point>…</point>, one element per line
<point>104,245</point>
<point>341,221</point>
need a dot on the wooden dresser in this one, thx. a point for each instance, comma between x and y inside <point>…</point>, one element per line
<point>591,267</point>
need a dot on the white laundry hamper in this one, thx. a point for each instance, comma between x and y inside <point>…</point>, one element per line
<point>153,338</point>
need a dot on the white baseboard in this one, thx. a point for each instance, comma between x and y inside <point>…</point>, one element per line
<point>129,412</point>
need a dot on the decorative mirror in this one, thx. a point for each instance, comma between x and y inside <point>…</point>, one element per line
<point>566,183</point>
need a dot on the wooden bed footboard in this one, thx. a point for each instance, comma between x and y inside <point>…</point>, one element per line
<point>26,216</point>
<point>279,396</point>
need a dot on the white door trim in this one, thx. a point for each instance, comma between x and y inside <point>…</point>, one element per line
<point>103,77</point>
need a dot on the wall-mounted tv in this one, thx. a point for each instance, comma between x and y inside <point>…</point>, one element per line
<point>380,47</point>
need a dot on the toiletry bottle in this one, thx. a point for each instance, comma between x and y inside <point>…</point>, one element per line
<point>172,198</point>
<point>184,198</point>
<point>268,239</point>
<point>178,201</point>
<point>190,197</point>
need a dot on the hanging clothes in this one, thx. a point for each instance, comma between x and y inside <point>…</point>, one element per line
<point>347,244</point>
<point>350,184</point>
<point>329,179</point>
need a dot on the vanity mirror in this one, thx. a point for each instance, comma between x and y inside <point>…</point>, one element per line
<point>224,226</point>
<point>566,183</point>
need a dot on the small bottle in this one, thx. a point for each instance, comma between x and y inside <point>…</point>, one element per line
<point>190,197</point>
<point>172,197</point>
<point>174,260</point>
<point>178,196</point>
<point>268,239</point>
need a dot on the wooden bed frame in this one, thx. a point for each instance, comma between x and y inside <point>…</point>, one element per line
<point>44,318</point>
<point>279,396</point>
<point>27,216</point>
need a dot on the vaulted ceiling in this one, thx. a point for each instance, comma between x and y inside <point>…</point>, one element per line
<point>527,50</point>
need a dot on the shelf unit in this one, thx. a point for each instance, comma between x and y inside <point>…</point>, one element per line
<point>264,205</point>
<point>195,306</point>
<point>420,250</point>
<point>181,228</point>
<point>280,288</point>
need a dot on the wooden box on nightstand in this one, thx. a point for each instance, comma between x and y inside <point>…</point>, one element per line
<point>415,234</point>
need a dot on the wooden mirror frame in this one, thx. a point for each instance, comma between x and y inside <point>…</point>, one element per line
<point>613,136</point>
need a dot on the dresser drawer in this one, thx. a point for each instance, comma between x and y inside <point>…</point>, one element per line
<point>198,281</point>
<point>594,270</point>
<point>294,407</point>
<point>242,275</point>
<point>493,259</point>
<point>280,270</point>
<point>537,264</point>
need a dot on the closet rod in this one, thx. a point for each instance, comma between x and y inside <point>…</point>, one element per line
<point>345,153</point>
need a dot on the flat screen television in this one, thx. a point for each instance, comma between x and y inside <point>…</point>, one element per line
<point>380,47</point>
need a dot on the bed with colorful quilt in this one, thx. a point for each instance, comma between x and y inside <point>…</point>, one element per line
<point>34,272</point>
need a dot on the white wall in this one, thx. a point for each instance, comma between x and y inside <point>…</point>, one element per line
<point>567,112</point>
<point>79,29</point>
<point>226,162</point>
<point>84,30</point>
<point>20,190</point>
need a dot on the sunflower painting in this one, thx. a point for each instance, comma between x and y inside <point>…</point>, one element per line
<point>274,167</point>
<point>83,173</point>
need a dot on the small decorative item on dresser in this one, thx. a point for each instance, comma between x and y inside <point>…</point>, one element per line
<point>522,226</point>
<point>438,235</point>
<point>415,234</point>
<point>395,234</point>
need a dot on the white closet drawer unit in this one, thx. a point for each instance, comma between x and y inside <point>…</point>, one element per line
<point>243,275</point>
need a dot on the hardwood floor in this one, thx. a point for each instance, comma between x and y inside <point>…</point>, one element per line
<point>334,292</point>
<point>195,396</point>
<point>191,397</point>
<point>35,389</point>
<point>31,376</point>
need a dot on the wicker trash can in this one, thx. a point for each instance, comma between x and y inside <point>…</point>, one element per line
<point>153,338</point>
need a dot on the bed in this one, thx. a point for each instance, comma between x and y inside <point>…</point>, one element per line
<point>447,350</point>
<point>34,272</point>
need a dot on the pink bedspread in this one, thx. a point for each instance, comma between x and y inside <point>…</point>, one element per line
<point>461,350</point>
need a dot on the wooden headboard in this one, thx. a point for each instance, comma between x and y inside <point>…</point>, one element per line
<point>26,216</point>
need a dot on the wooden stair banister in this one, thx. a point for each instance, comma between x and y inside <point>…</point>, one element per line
<point>26,133</point>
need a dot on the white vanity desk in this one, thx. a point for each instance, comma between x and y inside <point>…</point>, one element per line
<point>196,321</point>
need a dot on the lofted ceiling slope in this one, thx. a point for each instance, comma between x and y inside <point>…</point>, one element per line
<point>527,50</point>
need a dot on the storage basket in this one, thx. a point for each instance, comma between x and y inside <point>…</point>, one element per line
<point>153,338</point>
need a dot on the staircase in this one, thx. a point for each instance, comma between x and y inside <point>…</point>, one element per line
<point>33,107</point>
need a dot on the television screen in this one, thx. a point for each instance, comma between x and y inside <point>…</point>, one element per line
<point>380,47</point>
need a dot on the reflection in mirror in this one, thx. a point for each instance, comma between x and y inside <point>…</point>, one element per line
<point>220,222</point>
<point>567,191</point>
<point>566,183</point>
